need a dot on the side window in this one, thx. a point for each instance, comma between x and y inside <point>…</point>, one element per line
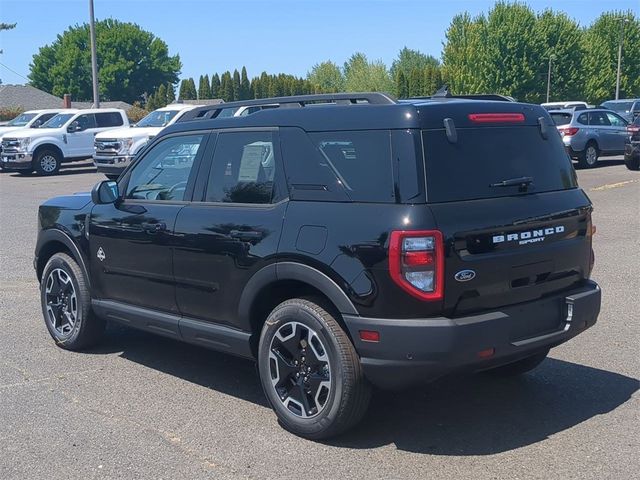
<point>598,119</point>
<point>109,119</point>
<point>583,119</point>
<point>163,173</point>
<point>243,168</point>
<point>86,121</point>
<point>42,119</point>
<point>615,120</point>
<point>361,160</point>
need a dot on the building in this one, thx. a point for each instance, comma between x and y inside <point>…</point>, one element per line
<point>26,97</point>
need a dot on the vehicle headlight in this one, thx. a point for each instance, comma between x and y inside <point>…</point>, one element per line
<point>24,144</point>
<point>125,145</point>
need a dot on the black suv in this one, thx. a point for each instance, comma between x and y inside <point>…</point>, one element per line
<point>341,241</point>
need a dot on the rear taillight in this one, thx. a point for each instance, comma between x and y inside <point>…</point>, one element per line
<point>568,131</point>
<point>416,262</point>
<point>496,117</point>
<point>633,129</point>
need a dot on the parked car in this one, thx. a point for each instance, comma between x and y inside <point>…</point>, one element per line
<point>66,137</point>
<point>343,241</point>
<point>632,146</point>
<point>28,119</point>
<point>627,108</point>
<point>564,105</point>
<point>591,134</point>
<point>115,149</point>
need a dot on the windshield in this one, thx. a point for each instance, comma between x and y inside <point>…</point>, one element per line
<point>159,118</point>
<point>561,118</point>
<point>618,106</point>
<point>21,120</point>
<point>483,157</point>
<point>58,121</point>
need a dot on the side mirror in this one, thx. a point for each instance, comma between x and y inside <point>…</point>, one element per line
<point>74,127</point>
<point>105,192</point>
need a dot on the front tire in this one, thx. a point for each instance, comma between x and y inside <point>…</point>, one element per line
<point>521,366</point>
<point>66,305</point>
<point>589,157</point>
<point>47,162</point>
<point>310,371</point>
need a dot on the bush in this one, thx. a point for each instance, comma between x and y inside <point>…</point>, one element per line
<point>9,113</point>
<point>136,113</point>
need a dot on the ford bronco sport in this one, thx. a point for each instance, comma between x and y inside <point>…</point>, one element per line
<point>341,241</point>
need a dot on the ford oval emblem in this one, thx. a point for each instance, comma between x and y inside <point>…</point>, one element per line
<point>465,275</point>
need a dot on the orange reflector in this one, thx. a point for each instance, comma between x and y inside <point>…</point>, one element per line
<point>486,353</point>
<point>369,336</point>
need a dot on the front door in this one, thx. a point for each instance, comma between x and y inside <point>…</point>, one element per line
<point>131,241</point>
<point>234,230</point>
<point>618,131</point>
<point>80,142</point>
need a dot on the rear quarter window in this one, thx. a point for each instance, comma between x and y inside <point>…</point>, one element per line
<point>465,170</point>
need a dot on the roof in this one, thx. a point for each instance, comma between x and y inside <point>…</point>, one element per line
<point>178,106</point>
<point>46,110</point>
<point>204,101</point>
<point>26,97</point>
<point>121,105</point>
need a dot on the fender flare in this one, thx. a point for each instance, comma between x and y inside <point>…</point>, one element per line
<point>55,235</point>
<point>292,271</point>
<point>47,142</point>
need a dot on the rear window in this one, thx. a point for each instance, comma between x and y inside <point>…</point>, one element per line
<point>485,156</point>
<point>561,118</point>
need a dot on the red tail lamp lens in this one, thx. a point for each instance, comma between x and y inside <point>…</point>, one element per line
<point>496,117</point>
<point>369,336</point>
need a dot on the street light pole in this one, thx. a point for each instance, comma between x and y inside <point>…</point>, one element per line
<point>622,22</point>
<point>551,57</point>
<point>94,61</point>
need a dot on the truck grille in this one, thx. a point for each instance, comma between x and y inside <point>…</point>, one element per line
<point>10,145</point>
<point>107,147</point>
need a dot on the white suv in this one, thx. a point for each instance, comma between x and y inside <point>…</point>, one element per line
<point>66,137</point>
<point>116,149</point>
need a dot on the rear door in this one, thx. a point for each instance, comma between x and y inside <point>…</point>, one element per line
<point>520,239</point>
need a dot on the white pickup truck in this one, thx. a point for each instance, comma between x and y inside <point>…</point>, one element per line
<point>66,137</point>
<point>28,119</point>
<point>116,149</point>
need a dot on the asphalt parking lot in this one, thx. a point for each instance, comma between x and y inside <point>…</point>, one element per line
<point>142,406</point>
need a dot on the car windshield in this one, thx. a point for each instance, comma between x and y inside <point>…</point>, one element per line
<point>622,107</point>
<point>159,118</point>
<point>21,120</point>
<point>561,118</point>
<point>58,121</point>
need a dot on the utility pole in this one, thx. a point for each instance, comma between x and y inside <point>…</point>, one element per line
<point>94,60</point>
<point>551,57</point>
<point>622,22</point>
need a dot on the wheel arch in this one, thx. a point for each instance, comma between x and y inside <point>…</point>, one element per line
<point>55,241</point>
<point>50,145</point>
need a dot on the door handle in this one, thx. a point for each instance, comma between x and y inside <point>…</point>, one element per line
<point>246,235</point>
<point>154,227</point>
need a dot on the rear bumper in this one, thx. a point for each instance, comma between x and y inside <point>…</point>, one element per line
<point>420,350</point>
<point>16,161</point>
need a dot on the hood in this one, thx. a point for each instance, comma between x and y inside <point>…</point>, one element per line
<point>34,132</point>
<point>129,132</point>
<point>77,201</point>
<point>4,130</point>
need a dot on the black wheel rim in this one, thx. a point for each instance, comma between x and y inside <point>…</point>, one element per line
<point>300,370</point>
<point>61,302</point>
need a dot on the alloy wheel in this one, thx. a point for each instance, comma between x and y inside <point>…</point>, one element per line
<point>591,155</point>
<point>300,369</point>
<point>62,302</point>
<point>48,163</point>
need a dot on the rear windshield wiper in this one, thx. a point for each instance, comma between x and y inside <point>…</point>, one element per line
<point>521,182</point>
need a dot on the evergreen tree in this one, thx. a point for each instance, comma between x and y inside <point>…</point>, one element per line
<point>204,88</point>
<point>402,85</point>
<point>161,97</point>
<point>215,86</point>
<point>245,86</point>
<point>188,90</point>
<point>237,88</point>
<point>226,87</point>
<point>171,94</point>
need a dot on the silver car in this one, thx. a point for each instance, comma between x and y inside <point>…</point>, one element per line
<point>590,134</point>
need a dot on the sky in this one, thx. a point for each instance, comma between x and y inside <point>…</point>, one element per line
<point>272,35</point>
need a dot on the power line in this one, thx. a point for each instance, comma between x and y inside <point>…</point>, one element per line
<point>13,71</point>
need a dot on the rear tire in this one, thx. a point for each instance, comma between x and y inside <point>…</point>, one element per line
<point>589,157</point>
<point>632,162</point>
<point>66,305</point>
<point>521,366</point>
<point>310,371</point>
<point>47,162</point>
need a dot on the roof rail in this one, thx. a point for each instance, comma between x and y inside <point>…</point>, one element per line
<point>211,111</point>
<point>444,93</point>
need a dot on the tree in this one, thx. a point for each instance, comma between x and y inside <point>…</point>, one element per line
<point>236,85</point>
<point>245,86</point>
<point>188,90</point>
<point>215,86</point>
<point>412,64</point>
<point>364,76</point>
<point>600,63</point>
<point>326,77</point>
<point>171,94</point>
<point>204,88</point>
<point>6,26</point>
<point>131,61</point>
<point>402,85</point>
<point>226,87</point>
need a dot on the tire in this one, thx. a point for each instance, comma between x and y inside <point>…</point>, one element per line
<point>632,162</point>
<point>66,305</point>
<point>521,366</point>
<point>47,162</point>
<point>299,336</point>
<point>589,157</point>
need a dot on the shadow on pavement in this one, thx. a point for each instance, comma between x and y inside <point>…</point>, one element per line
<point>462,415</point>
<point>602,162</point>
